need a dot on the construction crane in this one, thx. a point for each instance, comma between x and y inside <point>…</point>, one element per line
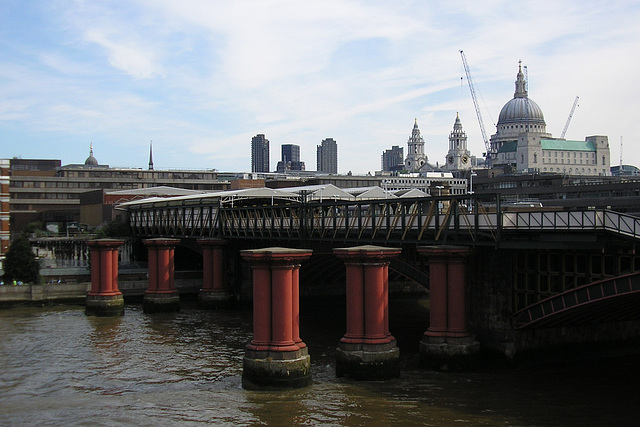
<point>566,126</point>
<point>488,154</point>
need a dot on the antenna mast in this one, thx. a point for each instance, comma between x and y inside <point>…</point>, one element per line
<point>621,154</point>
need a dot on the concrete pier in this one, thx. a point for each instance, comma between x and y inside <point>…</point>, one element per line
<point>276,357</point>
<point>161,294</point>
<point>367,351</point>
<point>214,292</point>
<point>448,344</point>
<point>104,298</point>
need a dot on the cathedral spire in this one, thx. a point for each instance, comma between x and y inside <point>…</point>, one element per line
<point>416,157</point>
<point>521,91</point>
<point>151,155</point>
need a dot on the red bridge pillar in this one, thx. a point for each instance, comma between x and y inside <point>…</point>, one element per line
<point>161,294</point>
<point>367,351</point>
<point>214,292</point>
<point>104,298</point>
<point>276,357</point>
<point>447,343</point>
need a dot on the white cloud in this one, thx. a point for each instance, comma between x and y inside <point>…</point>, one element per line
<point>357,71</point>
<point>125,55</point>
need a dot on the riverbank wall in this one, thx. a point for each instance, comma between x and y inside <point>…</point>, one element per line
<point>66,286</point>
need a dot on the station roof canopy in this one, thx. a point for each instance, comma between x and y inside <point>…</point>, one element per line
<point>369,193</point>
<point>321,192</point>
<point>231,197</point>
<point>414,192</point>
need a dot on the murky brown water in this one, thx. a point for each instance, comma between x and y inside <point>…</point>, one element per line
<point>60,367</point>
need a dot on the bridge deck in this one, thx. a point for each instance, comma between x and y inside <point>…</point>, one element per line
<point>465,219</point>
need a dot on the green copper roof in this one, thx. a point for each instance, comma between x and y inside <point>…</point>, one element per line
<point>566,145</point>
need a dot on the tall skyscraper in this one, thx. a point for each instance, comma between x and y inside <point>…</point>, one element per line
<point>393,160</point>
<point>290,153</point>
<point>259,153</point>
<point>328,156</point>
<point>290,159</point>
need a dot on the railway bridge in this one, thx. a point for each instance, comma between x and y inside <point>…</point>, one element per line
<point>533,277</point>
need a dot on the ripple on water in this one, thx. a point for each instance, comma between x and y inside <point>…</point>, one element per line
<point>61,367</point>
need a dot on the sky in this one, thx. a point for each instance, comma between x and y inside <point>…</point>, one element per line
<point>200,78</point>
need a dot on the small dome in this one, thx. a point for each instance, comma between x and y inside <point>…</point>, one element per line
<point>91,161</point>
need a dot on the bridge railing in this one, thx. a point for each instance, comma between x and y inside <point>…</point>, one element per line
<point>615,222</point>
<point>426,219</point>
<point>420,219</point>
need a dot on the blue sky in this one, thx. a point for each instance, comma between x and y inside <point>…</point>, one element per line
<point>201,77</point>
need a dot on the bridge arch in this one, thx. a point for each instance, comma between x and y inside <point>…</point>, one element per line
<point>614,299</point>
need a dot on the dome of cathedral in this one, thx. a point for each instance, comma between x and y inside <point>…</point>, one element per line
<point>521,109</point>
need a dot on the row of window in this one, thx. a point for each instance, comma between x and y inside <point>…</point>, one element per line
<point>575,154</point>
<point>22,196</point>
<point>137,174</point>
<point>588,171</point>
<point>521,126</point>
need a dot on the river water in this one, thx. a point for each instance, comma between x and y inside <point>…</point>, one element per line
<point>61,367</point>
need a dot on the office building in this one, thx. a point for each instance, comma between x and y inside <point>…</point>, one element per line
<point>290,159</point>
<point>259,153</point>
<point>44,190</point>
<point>393,159</point>
<point>328,156</point>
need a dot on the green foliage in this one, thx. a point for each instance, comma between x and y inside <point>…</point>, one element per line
<point>114,229</point>
<point>34,227</point>
<point>20,263</point>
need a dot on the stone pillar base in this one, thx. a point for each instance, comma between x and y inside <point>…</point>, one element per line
<point>265,370</point>
<point>449,353</point>
<point>161,302</point>
<point>368,361</point>
<point>215,299</point>
<point>104,305</point>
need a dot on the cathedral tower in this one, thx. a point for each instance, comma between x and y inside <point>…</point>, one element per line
<point>458,157</point>
<point>415,155</point>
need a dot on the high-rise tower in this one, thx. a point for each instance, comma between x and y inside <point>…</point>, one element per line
<point>393,159</point>
<point>259,153</point>
<point>328,156</point>
<point>415,155</point>
<point>290,159</point>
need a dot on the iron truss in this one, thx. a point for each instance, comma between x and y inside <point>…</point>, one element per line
<point>612,299</point>
<point>426,220</point>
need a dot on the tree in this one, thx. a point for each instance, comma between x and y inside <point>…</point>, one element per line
<point>21,263</point>
<point>114,229</point>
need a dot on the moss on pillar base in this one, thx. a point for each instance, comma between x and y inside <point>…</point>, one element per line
<point>449,354</point>
<point>368,361</point>
<point>212,300</point>
<point>104,305</point>
<point>266,370</point>
<point>159,303</point>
